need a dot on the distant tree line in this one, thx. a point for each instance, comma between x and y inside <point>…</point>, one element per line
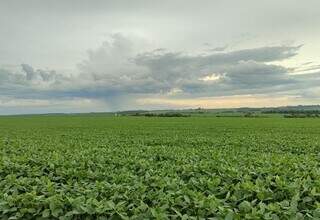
<point>295,113</point>
<point>299,115</point>
<point>308,112</point>
<point>241,115</point>
<point>166,114</point>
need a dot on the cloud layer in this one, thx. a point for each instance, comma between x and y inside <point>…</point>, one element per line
<point>120,75</point>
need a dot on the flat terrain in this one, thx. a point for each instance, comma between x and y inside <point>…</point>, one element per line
<point>103,167</point>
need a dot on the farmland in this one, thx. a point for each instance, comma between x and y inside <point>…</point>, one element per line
<point>105,167</point>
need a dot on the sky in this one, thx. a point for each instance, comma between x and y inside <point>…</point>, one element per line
<point>101,55</point>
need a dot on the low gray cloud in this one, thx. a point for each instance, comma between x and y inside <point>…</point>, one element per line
<point>25,82</point>
<point>39,74</point>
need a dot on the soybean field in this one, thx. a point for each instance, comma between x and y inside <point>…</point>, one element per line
<point>107,167</point>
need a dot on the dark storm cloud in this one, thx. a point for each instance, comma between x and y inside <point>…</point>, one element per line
<point>237,70</point>
<point>169,65</point>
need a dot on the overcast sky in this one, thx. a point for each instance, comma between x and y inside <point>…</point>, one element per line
<point>101,55</point>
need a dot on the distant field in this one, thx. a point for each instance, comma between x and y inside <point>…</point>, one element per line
<point>105,167</point>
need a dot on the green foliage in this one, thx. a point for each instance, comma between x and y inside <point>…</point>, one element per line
<point>88,167</point>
